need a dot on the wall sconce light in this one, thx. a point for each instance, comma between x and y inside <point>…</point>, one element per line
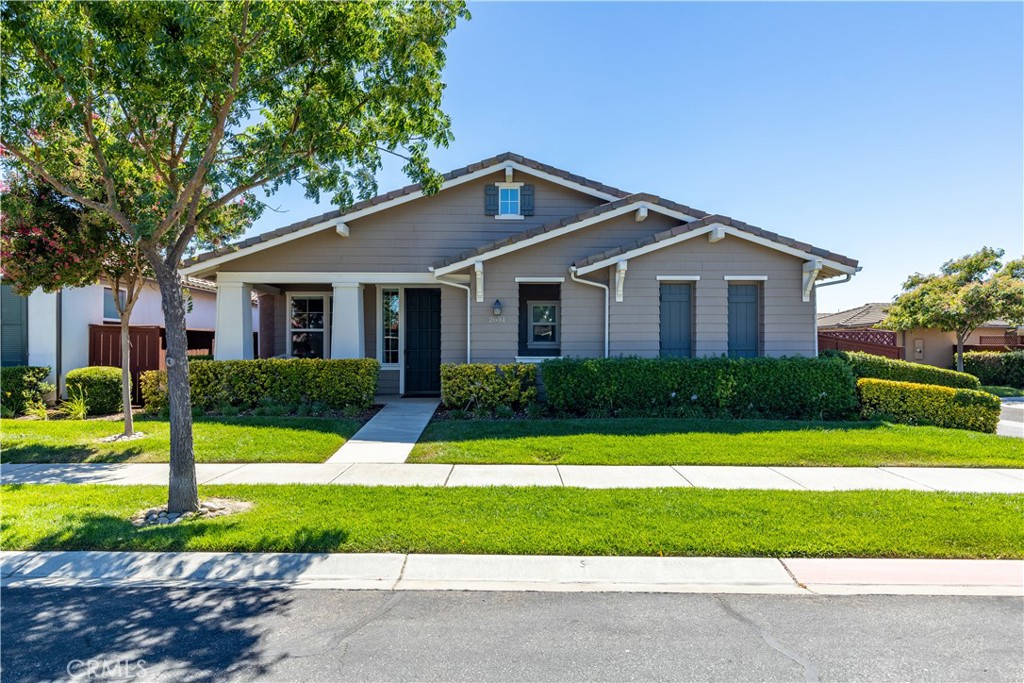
<point>496,308</point>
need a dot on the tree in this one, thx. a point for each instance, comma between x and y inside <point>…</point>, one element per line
<point>966,293</point>
<point>47,241</point>
<point>188,107</point>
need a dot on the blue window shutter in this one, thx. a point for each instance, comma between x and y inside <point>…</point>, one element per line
<point>490,200</point>
<point>526,200</point>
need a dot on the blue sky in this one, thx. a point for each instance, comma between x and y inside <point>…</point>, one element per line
<point>891,133</point>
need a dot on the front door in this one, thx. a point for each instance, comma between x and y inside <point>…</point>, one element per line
<point>422,341</point>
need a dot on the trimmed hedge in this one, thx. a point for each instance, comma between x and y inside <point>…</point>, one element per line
<point>880,367</point>
<point>101,386</point>
<point>993,368</point>
<point>335,383</point>
<point>482,386</point>
<point>21,384</point>
<point>927,404</point>
<point>776,388</point>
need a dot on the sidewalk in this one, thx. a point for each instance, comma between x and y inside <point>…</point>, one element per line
<point>390,435</point>
<point>964,480</point>
<point>517,573</point>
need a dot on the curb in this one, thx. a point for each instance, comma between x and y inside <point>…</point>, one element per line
<point>395,572</point>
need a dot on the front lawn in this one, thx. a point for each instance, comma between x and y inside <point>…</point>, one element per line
<point>710,442</point>
<point>1004,392</point>
<point>225,439</point>
<point>548,521</point>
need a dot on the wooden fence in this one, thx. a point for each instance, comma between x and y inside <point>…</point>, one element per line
<point>844,343</point>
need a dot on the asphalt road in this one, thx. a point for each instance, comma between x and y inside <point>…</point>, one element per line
<point>318,635</point>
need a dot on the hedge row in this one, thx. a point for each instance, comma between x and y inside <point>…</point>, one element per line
<point>927,404</point>
<point>880,367</point>
<point>22,384</point>
<point>777,388</point>
<point>996,369</point>
<point>482,386</point>
<point>101,386</point>
<point>337,383</point>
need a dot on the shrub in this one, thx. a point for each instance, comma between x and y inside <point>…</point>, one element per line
<point>928,404</point>
<point>101,386</point>
<point>880,367</point>
<point>778,388</point>
<point>996,369</point>
<point>21,385</point>
<point>485,387</point>
<point>336,384</point>
<point>76,406</point>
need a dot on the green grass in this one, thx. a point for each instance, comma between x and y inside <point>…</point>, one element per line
<point>1004,392</point>
<point>527,521</point>
<point>235,439</point>
<point>710,442</point>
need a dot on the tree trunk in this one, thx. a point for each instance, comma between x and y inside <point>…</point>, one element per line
<point>183,495</point>
<point>126,375</point>
<point>960,352</point>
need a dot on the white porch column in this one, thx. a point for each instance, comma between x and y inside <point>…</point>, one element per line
<point>347,337</point>
<point>233,337</point>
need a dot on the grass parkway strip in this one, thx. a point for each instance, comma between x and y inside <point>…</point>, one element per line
<point>644,441</point>
<point>527,521</point>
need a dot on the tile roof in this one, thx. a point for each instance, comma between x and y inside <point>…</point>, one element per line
<point>569,220</point>
<point>869,315</point>
<point>407,190</point>
<point>705,220</point>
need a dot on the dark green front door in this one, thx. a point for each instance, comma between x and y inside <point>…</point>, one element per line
<point>676,320</point>
<point>744,319</point>
<point>422,341</point>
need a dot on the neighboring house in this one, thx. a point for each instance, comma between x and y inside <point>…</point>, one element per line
<point>30,324</point>
<point>514,260</point>
<point>921,345</point>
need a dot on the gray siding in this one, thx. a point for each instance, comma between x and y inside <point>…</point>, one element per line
<point>414,236</point>
<point>388,384</point>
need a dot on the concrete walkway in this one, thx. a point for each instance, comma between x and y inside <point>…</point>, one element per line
<point>1011,419</point>
<point>583,476</point>
<point>392,571</point>
<point>390,434</point>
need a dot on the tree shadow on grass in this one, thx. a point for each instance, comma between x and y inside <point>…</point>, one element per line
<point>472,430</point>
<point>74,453</point>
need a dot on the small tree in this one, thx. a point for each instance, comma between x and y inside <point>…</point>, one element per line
<point>963,296</point>
<point>48,241</point>
<point>187,107</point>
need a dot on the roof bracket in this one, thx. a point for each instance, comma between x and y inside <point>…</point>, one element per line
<point>620,279</point>
<point>508,174</point>
<point>811,270</point>
<point>641,214</point>
<point>717,234</point>
<point>478,272</point>
<point>341,228</point>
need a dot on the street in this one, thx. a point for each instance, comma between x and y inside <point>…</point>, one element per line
<point>313,635</point>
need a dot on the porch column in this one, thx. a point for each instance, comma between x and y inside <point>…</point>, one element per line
<point>347,338</point>
<point>233,337</point>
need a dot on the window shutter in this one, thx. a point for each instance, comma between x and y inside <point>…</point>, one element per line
<point>526,200</point>
<point>490,200</point>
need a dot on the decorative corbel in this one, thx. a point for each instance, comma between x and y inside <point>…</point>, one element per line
<point>717,234</point>
<point>341,228</point>
<point>620,279</point>
<point>478,271</point>
<point>811,270</point>
<point>641,214</point>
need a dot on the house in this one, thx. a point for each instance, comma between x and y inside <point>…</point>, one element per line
<point>515,260</point>
<point>921,345</point>
<point>80,326</point>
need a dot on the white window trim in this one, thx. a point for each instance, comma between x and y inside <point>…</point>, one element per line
<point>379,334</point>
<point>535,359</point>
<point>530,344</point>
<point>678,278</point>
<point>541,280</point>
<point>746,278</point>
<point>510,216</point>
<point>326,296</point>
<point>106,289</point>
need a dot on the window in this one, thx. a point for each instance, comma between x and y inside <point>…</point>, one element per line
<point>389,332</point>
<point>543,324</point>
<point>307,326</point>
<point>508,201</point>
<point>109,308</point>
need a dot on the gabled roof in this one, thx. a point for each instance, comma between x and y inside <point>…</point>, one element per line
<point>407,193</point>
<point>870,315</point>
<point>526,238</point>
<point>705,224</point>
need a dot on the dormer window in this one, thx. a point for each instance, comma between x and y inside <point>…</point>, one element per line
<point>508,200</point>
